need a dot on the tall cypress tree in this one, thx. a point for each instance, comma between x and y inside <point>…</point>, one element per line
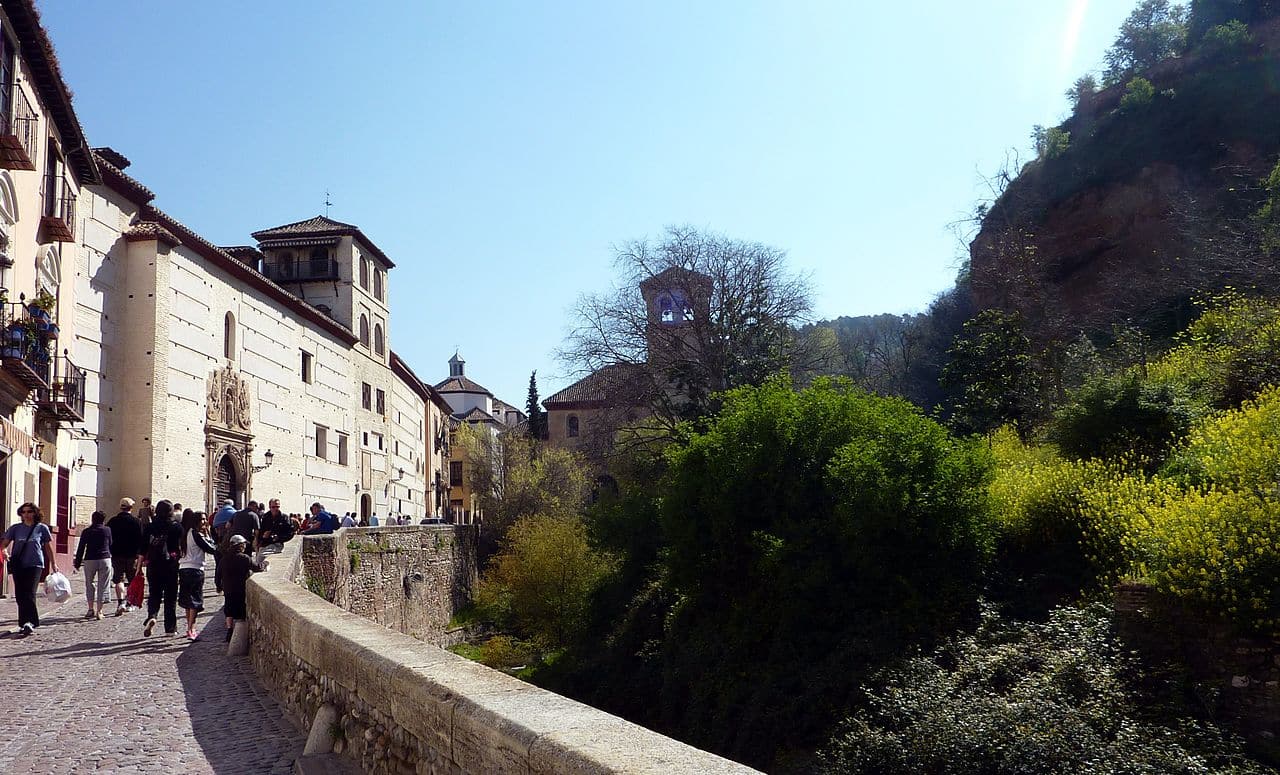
<point>537,417</point>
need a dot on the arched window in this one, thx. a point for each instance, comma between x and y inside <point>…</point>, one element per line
<point>364,330</point>
<point>364,273</point>
<point>377,284</point>
<point>377,338</point>
<point>666,308</point>
<point>229,336</point>
<point>572,426</point>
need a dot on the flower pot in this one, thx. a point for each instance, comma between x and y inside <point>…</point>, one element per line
<point>11,351</point>
<point>37,313</point>
<point>15,334</point>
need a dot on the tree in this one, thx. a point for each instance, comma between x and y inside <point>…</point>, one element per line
<point>542,581</point>
<point>1082,89</point>
<point>1155,30</point>
<point>1138,93</point>
<point>1051,142</point>
<point>740,310</point>
<point>511,482</point>
<point>1205,15</point>
<point>992,371</point>
<point>537,417</point>
<point>847,518</point>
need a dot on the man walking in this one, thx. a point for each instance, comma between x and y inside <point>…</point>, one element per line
<point>126,551</point>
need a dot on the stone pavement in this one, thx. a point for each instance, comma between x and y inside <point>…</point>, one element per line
<point>96,696</point>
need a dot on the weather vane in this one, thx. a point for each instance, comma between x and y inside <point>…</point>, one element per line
<point>327,203</point>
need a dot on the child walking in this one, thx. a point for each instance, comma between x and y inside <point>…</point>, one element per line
<point>236,570</point>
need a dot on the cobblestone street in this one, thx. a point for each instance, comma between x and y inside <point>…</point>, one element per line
<point>97,696</point>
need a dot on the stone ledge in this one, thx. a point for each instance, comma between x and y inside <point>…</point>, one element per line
<point>439,712</point>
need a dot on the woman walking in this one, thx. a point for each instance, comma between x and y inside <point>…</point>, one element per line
<point>94,554</point>
<point>163,542</point>
<point>197,544</point>
<point>30,546</point>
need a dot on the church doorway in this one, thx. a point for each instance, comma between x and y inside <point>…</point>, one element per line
<point>226,483</point>
<point>366,508</point>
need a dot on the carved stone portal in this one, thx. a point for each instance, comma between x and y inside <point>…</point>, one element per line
<point>228,438</point>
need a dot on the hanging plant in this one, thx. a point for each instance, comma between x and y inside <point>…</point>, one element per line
<point>44,300</point>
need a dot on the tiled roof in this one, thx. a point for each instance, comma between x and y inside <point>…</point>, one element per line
<point>462,385</point>
<point>602,386</point>
<point>150,230</point>
<point>115,176</point>
<point>316,225</point>
<point>477,415</point>
<point>319,226</point>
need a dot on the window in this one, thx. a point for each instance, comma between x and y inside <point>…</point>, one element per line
<point>455,473</point>
<point>364,330</point>
<point>322,442</point>
<point>343,454</point>
<point>377,338</point>
<point>319,263</point>
<point>285,264</point>
<point>572,426</point>
<point>377,284</point>
<point>366,395</point>
<point>308,368</point>
<point>364,273</point>
<point>381,406</point>
<point>229,336</point>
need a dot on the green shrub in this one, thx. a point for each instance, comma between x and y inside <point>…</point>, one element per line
<point>1122,414</point>
<point>1226,39</point>
<point>503,652</point>
<point>1024,699</point>
<point>541,582</point>
<point>1138,93</point>
<point>812,535</point>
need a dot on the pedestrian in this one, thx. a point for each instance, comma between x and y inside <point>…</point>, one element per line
<point>27,562</point>
<point>93,553</point>
<point>221,532</point>
<point>145,513</point>
<point>373,519</point>
<point>196,546</point>
<point>348,520</point>
<point>247,523</point>
<point>163,539</point>
<point>322,522</point>
<point>126,551</point>
<point>237,568</point>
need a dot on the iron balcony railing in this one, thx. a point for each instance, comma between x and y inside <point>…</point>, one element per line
<point>300,271</point>
<point>28,344</point>
<point>18,129</point>
<point>64,398</point>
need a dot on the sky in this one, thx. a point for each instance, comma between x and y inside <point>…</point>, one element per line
<point>498,151</point>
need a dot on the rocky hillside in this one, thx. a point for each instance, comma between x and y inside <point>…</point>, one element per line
<point>1146,200</point>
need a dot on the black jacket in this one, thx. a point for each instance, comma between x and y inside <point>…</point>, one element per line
<point>95,544</point>
<point>171,532</point>
<point>126,535</point>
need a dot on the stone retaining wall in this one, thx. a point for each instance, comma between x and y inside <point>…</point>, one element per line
<point>411,579</point>
<point>403,706</point>
<point>1241,674</point>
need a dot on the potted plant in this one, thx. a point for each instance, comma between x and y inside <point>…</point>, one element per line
<point>41,308</point>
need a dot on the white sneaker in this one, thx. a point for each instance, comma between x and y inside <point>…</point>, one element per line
<point>28,629</point>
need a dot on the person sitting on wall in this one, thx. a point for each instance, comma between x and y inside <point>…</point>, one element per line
<point>323,523</point>
<point>348,520</point>
<point>277,529</point>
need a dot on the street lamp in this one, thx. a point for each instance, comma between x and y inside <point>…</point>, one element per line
<point>269,458</point>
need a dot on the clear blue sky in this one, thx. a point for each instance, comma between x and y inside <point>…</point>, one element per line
<point>497,150</point>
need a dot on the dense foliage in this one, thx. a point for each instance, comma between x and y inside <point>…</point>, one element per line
<point>1018,698</point>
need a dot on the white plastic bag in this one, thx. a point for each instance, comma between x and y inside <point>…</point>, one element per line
<point>57,588</point>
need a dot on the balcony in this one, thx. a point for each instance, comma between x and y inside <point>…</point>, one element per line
<point>58,222</point>
<point>302,271</point>
<point>27,344</point>
<point>64,398</point>
<point>18,126</point>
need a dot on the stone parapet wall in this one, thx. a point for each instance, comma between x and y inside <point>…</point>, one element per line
<point>411,579</point>
<point>403,706</point>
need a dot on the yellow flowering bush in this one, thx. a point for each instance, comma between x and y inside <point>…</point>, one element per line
<point>1237,449</point>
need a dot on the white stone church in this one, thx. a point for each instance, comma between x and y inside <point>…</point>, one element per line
<point>140,360</point>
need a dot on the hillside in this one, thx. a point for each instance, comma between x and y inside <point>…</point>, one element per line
<point>1146,201</point>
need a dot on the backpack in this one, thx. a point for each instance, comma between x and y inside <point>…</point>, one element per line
<point>158,550</point>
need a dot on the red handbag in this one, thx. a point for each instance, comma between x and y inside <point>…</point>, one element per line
<point>134,596</point>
